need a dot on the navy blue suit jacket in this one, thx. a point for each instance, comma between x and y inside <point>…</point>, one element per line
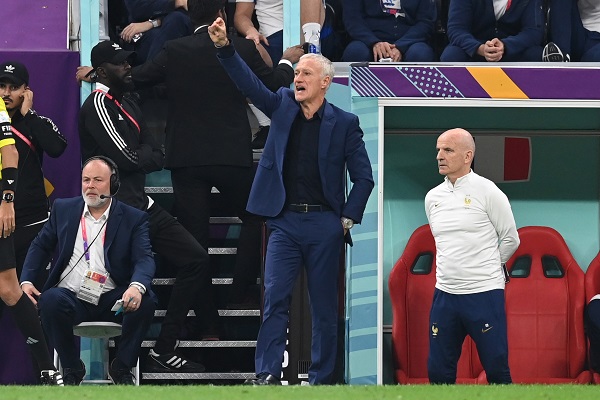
<point>340,146</point>
<point>472,23</point>
<point>127,252</point>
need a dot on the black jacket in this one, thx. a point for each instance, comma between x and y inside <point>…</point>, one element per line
<point>104,129</point>
<point>207,123</point>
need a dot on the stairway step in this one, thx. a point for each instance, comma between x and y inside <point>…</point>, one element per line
<point>222,313</point>
<point>215,281</point>
<point>198,376</point>
<point>200,343</point>
<point>222,250</point>
<point>169,189</point>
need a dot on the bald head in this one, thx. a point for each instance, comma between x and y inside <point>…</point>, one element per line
<point>461,137</point>
<point>455,151</point>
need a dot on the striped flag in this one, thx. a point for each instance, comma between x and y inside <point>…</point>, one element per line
<point>503,158</point>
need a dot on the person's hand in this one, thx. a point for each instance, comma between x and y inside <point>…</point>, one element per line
<point>256,37</point>
<point>134,28</point>
<point>218,32</point>
<point>27,101</point>
<point>293,54</point>
<point>31,291</point>
<point>382,50</point>
<point>82,74</point>
<point>132,299</point>
<point>396,55</point>
<point>7,218</point>
<point>493,50</point>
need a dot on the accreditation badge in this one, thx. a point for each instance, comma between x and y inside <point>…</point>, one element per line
<point>92,286</point>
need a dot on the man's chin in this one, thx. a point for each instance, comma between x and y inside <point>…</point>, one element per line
<point>94,201</point>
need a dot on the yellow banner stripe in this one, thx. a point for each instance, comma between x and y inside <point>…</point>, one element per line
<point>496,83</point>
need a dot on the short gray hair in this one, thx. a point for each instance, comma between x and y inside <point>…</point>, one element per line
<point>326,65</point>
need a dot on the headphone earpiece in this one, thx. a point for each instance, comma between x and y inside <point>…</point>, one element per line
<point>115,181</point>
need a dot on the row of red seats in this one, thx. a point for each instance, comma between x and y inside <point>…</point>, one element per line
<point>545,302</point>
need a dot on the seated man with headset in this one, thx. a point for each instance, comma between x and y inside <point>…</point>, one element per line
<point>103,271</point>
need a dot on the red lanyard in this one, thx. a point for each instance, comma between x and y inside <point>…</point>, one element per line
<point>23,137</point>
<point>121,107</point>
<point>85,243</point>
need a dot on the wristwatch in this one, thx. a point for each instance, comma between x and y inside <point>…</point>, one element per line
<point>347,223</point>
<point>154,22</point>
<point>8,197</point>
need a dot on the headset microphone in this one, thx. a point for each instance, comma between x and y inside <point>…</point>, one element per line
<point>104,196</point>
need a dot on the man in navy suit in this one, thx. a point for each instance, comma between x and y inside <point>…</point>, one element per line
<point>104,255</point>
<point>299,186</point>
<point>494,30</point>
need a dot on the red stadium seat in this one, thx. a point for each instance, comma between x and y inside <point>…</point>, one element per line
<point>411,286</point>
<point>592,288</point>
<point>544,308</point>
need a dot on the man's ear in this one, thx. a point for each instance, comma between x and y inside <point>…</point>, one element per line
<point>101,72</point>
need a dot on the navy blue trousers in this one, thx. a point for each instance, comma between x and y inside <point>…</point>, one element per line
<point>481,316</point>
<point>567,31</point>
<point>593,332</point>
<point>174,25</point>
<point>418,52</point>
<point>315,240</point>
<point>456,54</point>
<point>60,310</point>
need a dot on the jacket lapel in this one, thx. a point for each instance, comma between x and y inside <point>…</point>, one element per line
<point>114,219</point>
<point>74,220</point>
<point>325,133</point>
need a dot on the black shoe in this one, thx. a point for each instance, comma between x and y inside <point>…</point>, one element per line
<point>120,376</point>
<point>74,376</point>
<point>263,379</point>
<point>51,377</point>
<point>261,138</point>
<point>552,53</point>
<point>171,362</point>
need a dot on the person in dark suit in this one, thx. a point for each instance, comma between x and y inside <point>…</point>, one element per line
<point>299,186</point>
<point>208,136</point>
<point>492,31</point>
<point>104,255</point>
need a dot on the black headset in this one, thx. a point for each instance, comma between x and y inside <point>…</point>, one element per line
<point>115,182</point>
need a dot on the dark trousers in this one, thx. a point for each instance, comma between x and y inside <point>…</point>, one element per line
<point>192,187</point>
<point>315,240</point>
<point>593,332</point>
<point>23,236</point>
<point>418,52</point>
<point>60,310</point>
<point>481,316</point>
<point>173,25</point>
<point>567,31</point>
<point>456,54</point>
<point>190,261</point>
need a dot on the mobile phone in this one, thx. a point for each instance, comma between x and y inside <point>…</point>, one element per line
<point>117,306</point>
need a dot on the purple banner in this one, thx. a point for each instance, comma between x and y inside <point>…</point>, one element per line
<point>34,24</point>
